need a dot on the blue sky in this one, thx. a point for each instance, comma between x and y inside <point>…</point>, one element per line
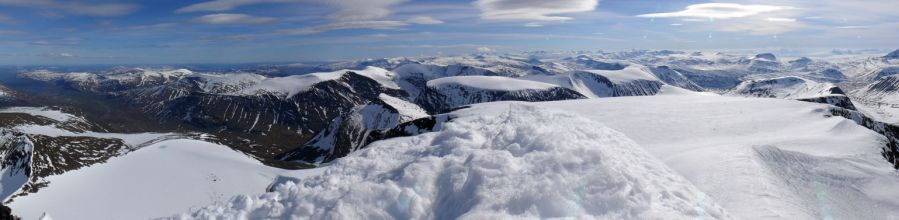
<point>246,31</point>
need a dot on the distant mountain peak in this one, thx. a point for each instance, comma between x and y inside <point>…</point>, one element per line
<point>766,56</point>
<point>892,55</point>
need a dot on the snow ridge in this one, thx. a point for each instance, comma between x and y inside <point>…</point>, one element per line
<point>497,167</point>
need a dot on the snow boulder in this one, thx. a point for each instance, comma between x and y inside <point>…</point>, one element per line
<point>528,163</point>
<point>452,92</point>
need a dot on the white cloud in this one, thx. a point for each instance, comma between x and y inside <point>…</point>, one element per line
<point>380,25</point>
<point>781,19</point>
<point>232,19</point>
<point>532,10</point>
<point>59,55</point>
<point>225,5</point>
<point>76,7</point>
<point>424,20</point>
<point>718,11</point>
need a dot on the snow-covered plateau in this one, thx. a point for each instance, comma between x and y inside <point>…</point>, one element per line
<point>635,134</point>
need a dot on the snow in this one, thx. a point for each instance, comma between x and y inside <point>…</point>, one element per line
<point>134,140</point>
<point>758,158</point>
<point>162,179</point>
<point>494,83</point>
<point>45,112</point>
<point>628,74</point>
<point>15,171</point>
<point>407,110</point>
<point>290,85</point>
<point>382,76</point>
<point>788,87</point>
<point>528,164</point>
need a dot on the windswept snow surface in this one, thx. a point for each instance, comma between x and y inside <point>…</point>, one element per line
<point>758,158</point>
<point>162,179</point>
<point>525,163</point>
<point>494,83</point>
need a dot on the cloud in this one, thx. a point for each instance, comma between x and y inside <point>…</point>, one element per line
<point>532,10</point>
<point>232,19</point>
<point>4,19</point>
<point>423,20</point>
<point>854,27</point>
<point>357,10</point>
<point>718,11</point>
<point>59,55</point>
<point>225,5</point>
<point>76,7</point>
<point>380,25</point>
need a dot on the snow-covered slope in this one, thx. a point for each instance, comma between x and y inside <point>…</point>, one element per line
<point>162,179</point>
<point>796,88</point>
<point>633,80</point>
<point>527,163</point>
<point>451,92</point>
<point>758,158</point>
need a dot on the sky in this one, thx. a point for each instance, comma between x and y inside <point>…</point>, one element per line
<point>254,31</point>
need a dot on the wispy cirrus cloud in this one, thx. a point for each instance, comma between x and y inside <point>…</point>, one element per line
<point>533,10</point>
<point>76,7</point>
<point>718,11</point>
<point>423,20</point>
<point>225,5</point>
<point>755,19</point>
<point>232,19</point>
<point>378,25</point>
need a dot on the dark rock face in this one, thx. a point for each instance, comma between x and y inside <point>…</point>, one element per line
<point>436,100</point>
<point>349,132</point>
<point>841,101</point>
<point>264,125</point>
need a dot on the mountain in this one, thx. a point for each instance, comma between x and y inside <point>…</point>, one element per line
<point>263,116</point>
<point>356,129</point>
<point>892,55</point>
<point>16,162</point>
<point>452,92</point>
<point>797,88</point>
<point>524,163</point>
<point>503,159</point>
<point>631,81</point>
<point>880,99</point>
<point>55,143</point>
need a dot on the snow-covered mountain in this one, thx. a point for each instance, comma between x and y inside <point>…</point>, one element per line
<point>527,163</point>
<point>452,92</point>
<point>753,158</point>
<point>356,129</point>
<point>796,88</point>
<point>578,134</point>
